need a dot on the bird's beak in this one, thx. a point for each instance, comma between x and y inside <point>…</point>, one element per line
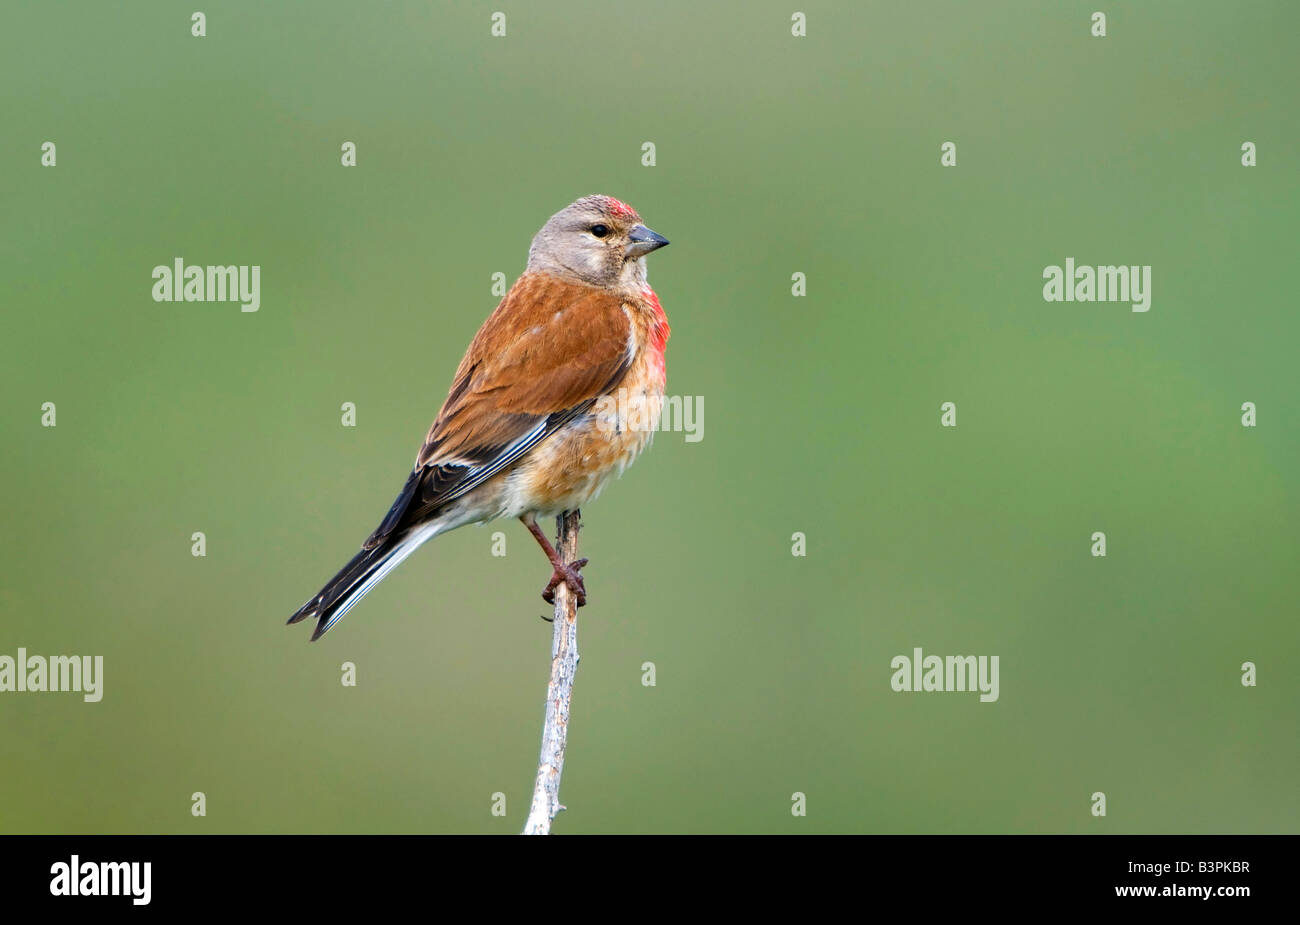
<point>642,241</point>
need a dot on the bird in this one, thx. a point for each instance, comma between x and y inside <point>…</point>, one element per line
<point>559,391</point>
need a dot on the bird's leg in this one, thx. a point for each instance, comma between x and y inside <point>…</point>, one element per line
<point>567,573</point>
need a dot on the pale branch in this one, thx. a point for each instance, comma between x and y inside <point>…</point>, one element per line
<point>559,691</point>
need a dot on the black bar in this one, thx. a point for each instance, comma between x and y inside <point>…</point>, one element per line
<point>332,874</point>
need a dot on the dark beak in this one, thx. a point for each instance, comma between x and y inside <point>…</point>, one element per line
<point>643,241</point>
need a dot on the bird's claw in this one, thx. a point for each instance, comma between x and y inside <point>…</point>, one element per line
<point>572,578</point>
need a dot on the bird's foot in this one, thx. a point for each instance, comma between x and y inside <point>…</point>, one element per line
<point>572,578</point>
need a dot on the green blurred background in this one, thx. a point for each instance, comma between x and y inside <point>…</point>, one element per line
<point>775,155</point>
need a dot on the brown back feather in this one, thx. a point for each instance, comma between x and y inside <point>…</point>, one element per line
<point>550,348</point>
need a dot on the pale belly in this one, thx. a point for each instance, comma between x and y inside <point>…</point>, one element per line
<point>569,468</point>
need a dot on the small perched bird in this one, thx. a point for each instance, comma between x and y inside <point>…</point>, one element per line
<point>561,389</point>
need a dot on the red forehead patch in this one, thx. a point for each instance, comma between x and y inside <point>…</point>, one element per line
<point>620,208</point>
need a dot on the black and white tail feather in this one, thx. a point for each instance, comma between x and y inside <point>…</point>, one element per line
<point>424,508</point>
<point>354,580</point>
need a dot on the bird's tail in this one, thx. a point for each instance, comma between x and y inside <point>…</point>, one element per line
<point>367,569</point>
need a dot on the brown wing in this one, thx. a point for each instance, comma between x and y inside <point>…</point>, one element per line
<point>549,349</point>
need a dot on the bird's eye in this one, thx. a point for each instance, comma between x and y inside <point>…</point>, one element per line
<point>599,230</point>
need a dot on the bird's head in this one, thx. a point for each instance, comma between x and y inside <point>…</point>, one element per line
<point>596,240</point>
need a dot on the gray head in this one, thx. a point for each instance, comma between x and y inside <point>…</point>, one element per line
<point>596,240</point>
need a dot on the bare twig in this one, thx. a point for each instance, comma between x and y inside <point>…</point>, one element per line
<point>559,691</point>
